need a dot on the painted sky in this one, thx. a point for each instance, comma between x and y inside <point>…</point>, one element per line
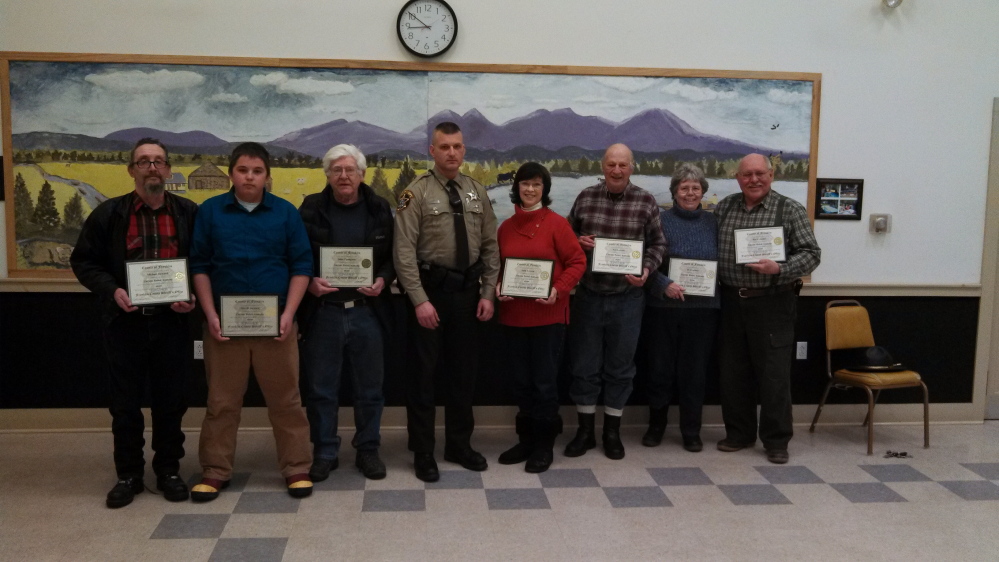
<point>250,103</point>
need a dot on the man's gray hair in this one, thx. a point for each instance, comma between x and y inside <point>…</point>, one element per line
<point>341,150</point>
<point>684,172</point>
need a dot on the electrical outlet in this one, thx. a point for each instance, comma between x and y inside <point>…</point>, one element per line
<point>803,350</point>
<point>199,349</point>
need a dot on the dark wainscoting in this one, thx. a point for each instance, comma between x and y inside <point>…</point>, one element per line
<point>52,355</point>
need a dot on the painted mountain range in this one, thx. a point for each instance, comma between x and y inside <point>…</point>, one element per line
<point>651,131</point>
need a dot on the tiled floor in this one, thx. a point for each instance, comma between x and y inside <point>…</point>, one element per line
<point>830,502</point>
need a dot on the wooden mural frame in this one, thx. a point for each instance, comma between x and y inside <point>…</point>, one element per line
<point>300,64</point>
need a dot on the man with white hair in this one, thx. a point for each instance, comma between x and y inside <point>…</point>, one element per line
<point>343,325</point>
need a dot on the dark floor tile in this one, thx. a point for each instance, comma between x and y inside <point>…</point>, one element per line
<point>789,475</point>
<point>267,502</point>
<point>517,498</point>
<point>987,470</point>
<point>868,492</point>
<point>637,496</point>
<point>457,480</point>
<point>249,550</point>
<point>568,478</point>
<point>394,500</point>
<point>184,526</point>
<point>973,489</point>
<point>754,494</point>
<point>895,473</point>
<point>680,476</point>
<point>236,484</point>
<point>341,480</point>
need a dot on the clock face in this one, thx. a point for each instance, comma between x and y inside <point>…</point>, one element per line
<point>427,28</point>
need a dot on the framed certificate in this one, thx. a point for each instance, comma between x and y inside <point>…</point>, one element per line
<point>345,266</point>
<point>755,244</point>
<point>527,278</point>
<point>157,281</point>
<point>697,277</point>
<point>613,255</point>
<point>249,315</point>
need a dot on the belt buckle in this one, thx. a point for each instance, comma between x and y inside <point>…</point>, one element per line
<point>348,304</point>
<point>742,293</point>
<point>149,310</point>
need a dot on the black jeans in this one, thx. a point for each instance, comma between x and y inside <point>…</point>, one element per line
<point>534,357</point>
<point>455,345</point>
<point>757,342</point>
<point>679,342</point>
<point>154,353</point>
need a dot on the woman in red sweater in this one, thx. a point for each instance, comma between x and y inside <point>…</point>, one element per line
<point>535,327</point>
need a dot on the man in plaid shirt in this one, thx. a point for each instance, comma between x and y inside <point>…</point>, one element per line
<point>145,345</point>
<point>759,308</point>
<point>607,309</point>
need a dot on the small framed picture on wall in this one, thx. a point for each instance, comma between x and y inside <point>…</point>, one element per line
<point>838,199</point>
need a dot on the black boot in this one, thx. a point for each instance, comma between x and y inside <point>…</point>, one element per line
<point>585,438</point>
<point>522,450</point>
<point>613,447</point>
<point>657,426</point>
<point>545,432</point>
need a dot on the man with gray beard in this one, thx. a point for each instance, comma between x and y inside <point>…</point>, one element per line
<point>147,345</point>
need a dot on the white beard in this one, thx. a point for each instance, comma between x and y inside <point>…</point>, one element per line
<point>155,188</point>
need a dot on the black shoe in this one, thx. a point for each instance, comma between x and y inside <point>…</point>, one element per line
<point>426,467</point>
<point>728,446</point>
<point>693,444</point>
<point>370,465</point>
<point>519,452</point>
<point>467,458</point>
<point>613,447</point>
<point>124,491</point>
<point>584,439</point>
<point>777,456</point>
<point>321,469</point>
<point>545,432</point>
<point>657,427</point>
<point>174,489</point>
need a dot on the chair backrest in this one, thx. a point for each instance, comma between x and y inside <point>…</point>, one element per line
<point>847,325</point>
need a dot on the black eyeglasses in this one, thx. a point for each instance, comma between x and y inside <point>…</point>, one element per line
<point>145,164</point>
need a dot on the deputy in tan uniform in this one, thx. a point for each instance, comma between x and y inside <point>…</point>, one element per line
<point>447,261</point>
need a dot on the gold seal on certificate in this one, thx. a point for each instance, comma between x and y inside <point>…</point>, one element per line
<point>157,281</point>
<point>527,278</point>
<point>250,315</point>
<point>346,266</point>
<point>697,277</point>
<point>755,244</point>
<point>612,255</point>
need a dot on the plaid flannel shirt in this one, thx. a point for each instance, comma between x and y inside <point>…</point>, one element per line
<point>152,233</point>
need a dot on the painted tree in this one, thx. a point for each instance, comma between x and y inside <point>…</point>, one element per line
<point>406,177</point>
<point>24,207</point>
<point>380,185</point>
<point>46,215</point>
<point>72,213</point>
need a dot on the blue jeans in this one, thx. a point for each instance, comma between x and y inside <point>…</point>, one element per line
<point>603,335</point>
<point>337,335</point>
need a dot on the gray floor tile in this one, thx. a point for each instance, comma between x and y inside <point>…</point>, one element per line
<point>637,496</point>
<point>394,500</point>
<point>987,470</point>
<point>680,476</point>
<point>236,484</point>
<point>895,473</point>
<point>517,498</point>
<point>789,475</point>
<point>973,489</point>
<point>868,492</point>
<point>249,550</point>
<point>754,494</point>
<point>457,480</point>
<point>266,502</point>
<point>341,480</point>
<point>568,478</point>
<point>184,526</point>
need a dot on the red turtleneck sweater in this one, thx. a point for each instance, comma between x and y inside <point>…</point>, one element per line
<point>541,234</point>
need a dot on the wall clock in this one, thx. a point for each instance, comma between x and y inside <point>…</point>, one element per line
<point>427,28</point>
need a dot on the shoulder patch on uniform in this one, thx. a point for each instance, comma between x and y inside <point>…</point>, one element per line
<point>404,200</point>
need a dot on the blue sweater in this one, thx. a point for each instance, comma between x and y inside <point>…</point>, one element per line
<point>690,234</point>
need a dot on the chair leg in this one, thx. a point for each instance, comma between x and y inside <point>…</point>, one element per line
<point>877,394</point>
<point>926,416</point>
<point>870,421</point>
<point>819,409</point>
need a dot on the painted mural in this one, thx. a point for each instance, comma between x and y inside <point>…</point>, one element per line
<point>73,124</point>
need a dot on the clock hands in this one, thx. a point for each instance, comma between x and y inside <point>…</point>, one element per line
<point>425,26</point>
